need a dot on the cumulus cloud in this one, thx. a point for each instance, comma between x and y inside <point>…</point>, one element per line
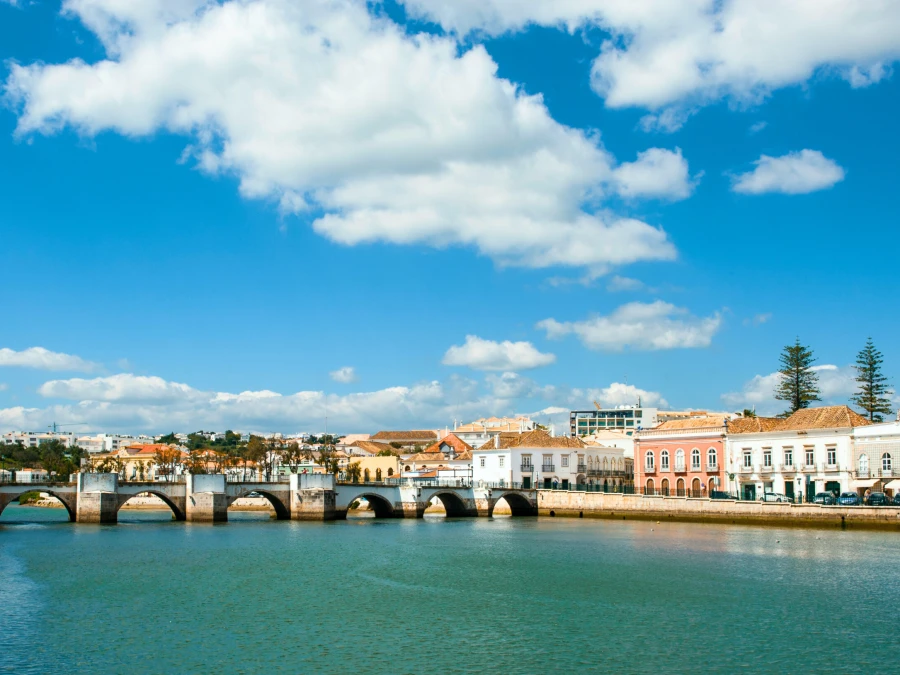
<point>619,284</point>
<point>342,116</point>
<point>757,127</point>
<point>121,387</point>
<point>673,55</point>
<point>44,359</point>
<point>480,354</point>
<point>656,173</point>
<point>837,385</point>
<point>639,326</point>
<point>344,375</point>
<point>758,319</point>
<point>794,173</point>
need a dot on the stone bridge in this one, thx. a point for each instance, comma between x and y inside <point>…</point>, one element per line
<point>97,497</point>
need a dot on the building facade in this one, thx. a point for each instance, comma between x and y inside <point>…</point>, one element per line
<point>876,458</point>
<point>681,458</point>
<point>809,452</point>
<point>627,419</point>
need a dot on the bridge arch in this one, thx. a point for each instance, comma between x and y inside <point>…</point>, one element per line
<point>282,510</point>
<point>519,505</point>
<point>177,511</point>
<point>454,505</point>
<point>64,499</point>
<point>380,505</point>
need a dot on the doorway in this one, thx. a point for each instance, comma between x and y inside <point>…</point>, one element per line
<point>750,492</point>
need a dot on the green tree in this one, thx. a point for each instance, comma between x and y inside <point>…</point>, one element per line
<point>58,460</point>
<point>168,439</point>
<point>749,412</point>
<point>799,384</point>
<point>354,472</point>
<point>872,396</point>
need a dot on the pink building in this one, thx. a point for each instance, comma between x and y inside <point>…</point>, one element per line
<point>681,457</point>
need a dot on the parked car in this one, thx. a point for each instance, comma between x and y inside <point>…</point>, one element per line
<point>774,497</point>
<point>878,499</point>
<point>897,499</point>
<point>849,499</point>
<point>825,498</point>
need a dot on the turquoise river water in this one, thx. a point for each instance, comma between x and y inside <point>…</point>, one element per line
<point>439,595</point>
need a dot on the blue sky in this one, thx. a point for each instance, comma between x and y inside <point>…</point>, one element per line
<point>228,215</point>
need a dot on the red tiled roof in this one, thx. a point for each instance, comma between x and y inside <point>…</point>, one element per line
<point>415,435</point>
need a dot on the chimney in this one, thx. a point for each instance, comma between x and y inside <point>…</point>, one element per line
<point>497,442</point>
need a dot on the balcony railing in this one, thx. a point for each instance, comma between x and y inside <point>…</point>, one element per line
<point>649,469</point>
<point>746,469</point>
<point>766,468</point>
<point>527,468</point>
<point>582,468</point>
<point>787,468</point>
<point>607,473</point>
<point>548,468</point>
<point>809,468</point>
<point>712,468</point>
<point>680,468</point>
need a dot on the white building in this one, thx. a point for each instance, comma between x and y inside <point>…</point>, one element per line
<point>480,431</point>
<point>106,443</point>
<point>809,452</point>
<point>537,459</point>
<point>32,439</point>
<point>612,439</point>
<point>31,475</point>
<point>877,457</point>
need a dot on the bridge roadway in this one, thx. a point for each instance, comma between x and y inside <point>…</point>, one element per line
<point>97,497</point>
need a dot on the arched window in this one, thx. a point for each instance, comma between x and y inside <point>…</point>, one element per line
<point>406,468</point>
<point>378,474</point>
<point>679,460</point>
<point>712,458</point>
<point>366,475</point>
<point>886,463</point>
<point>606,463</point>
<point>864,464</point>
<point>664,460</point>
<point>695,459</point>
<point>390,472</point>
<point>649,462</point>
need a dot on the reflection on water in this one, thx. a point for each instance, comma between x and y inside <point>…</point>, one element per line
<point>441,595</point>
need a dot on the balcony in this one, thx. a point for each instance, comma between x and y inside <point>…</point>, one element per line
<point>527,468</point>
<point>582,468</point>
<point>548,468</point>
<point>649,469</point>
<point>832,467</point>
<point>766,468</point>
<point>746,469</point>
<point>712,468</point>
<point>680,468</point>
<point>809,468</point>
<point>787,468</point>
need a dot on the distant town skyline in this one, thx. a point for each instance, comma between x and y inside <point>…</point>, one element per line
<point>260,215</point>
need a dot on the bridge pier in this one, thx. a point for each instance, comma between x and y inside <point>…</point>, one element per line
<point>97,500</point>
<point>313,497</point>
<point>206,501</point>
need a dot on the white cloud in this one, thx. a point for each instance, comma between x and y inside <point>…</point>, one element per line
<point>618,284</point>
<point>481,354</point>
<point>344,375</point>
<point>757,127</point>
<point>121,387</point>
<point>328,110</point>
<point>3,386</point>
<point>836,384</point>
<point>673,55</point>
<point>792,174</point>
<point>758,319</point>
<point>626,394</point>
<point>656,173</point>
<point>639,326</point>
<point>44,359</point>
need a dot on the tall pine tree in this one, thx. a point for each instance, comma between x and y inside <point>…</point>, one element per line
<point>799,384</point>
<point>872,395</point>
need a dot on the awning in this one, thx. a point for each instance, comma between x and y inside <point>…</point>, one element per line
<point>893,485</point>
<point>865,483</point>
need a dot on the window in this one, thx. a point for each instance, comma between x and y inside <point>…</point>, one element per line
<point>832,456</point>
<point>679,460</point>
<point>526,460</point>
<point>810,457</point>
<point>748,459</point>
<point>481,462</point>
<point>664,460</point>
<point>712,459</point>
<point>767,457</point>
<point>886,462</point>
<point>789,457</point>
<point>695,459</point>
<point>564,460</point>
<point>649,461</point>
<point>502,461</point>
<point>864,464</point>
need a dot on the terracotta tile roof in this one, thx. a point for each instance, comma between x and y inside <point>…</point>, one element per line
<point>692,423</point>
<point>149,449</point>
<point>753,425</point>
<point>415,435</point>
<point>534,439</point>
<point>374,448</point>
<point>830,417</point>
<point>454,441</point>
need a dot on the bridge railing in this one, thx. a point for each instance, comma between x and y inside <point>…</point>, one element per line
<point>407,482</point>
<point>253,478</point>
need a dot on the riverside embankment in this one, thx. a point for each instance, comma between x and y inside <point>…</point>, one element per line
<point>685,509</point>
